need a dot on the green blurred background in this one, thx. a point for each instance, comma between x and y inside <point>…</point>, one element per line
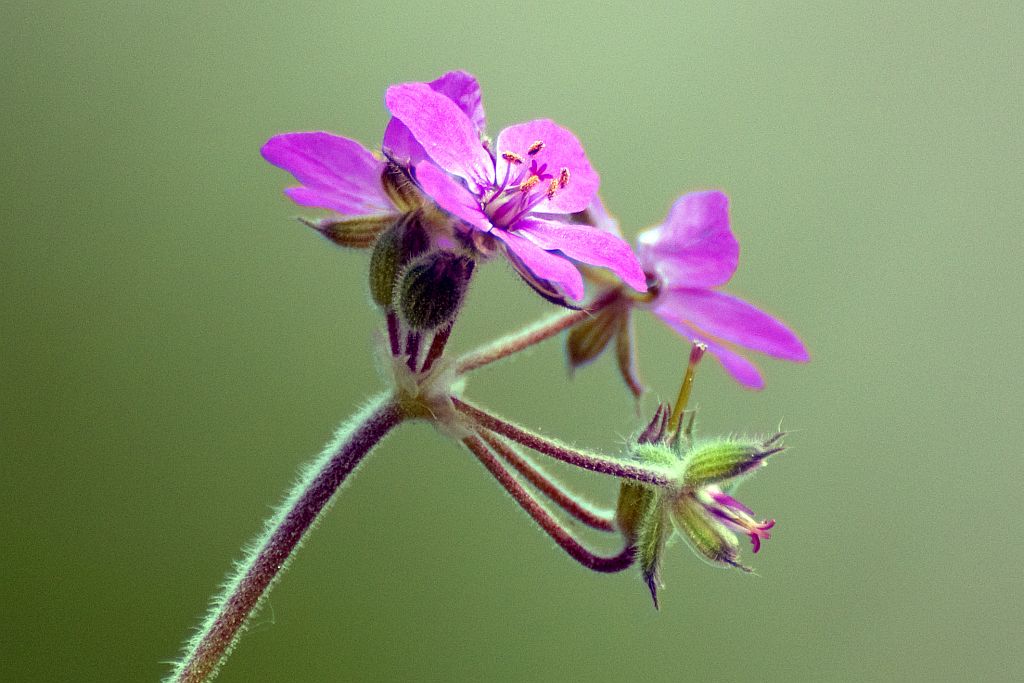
<point>174,346</point>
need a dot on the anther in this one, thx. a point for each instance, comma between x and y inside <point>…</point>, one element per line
<point>535,148</point>
<point>512,158</point>
<point>529,183</point>
<point>552,188</point>
<point>563,177</point>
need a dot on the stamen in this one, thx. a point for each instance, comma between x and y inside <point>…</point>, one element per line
<point>528,184</point>
<point>552,188</point>
<point>563,177</point>
<point>535,148</point>
<point>512,158</point>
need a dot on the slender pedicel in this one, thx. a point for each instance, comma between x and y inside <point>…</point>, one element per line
<point>642,472</point>
<point>603,520</point>
<point>392,316</point>
<point>534,334</point>
<point>412,347</point>
<point>436,347</point>
<point>547,522</point>
<point>256,573</point>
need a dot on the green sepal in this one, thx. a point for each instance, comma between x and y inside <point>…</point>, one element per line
<point>707,537</point>
<point>718,461</point>
<point>650,543</point>
<point>587,339</point>
<point>354,233</point>
<point>633,507</point>
<point>399,186</point>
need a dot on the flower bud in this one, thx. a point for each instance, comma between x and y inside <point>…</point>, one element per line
<point>405,240</point>
<point>432,287</point>
<point>720,460</point>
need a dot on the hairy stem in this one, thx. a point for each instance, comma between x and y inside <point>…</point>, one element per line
<point>534,334</point>
<point>547,522</point>
<point>558,494</point>
<point>272,551</point>
<point>595,462</point>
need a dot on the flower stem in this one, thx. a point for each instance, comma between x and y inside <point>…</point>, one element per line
<point>578,509</point>
<point>392,316</point>
<point>412,347</point>
<point>272,551</point>
<point>437,347</point>
<point>547,522</point>
<point>648,474</point>
<point>534,334</point>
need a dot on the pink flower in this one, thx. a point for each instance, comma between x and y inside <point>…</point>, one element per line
<point>514,192</point>
<point>689,255</point>
<point>686,259</point>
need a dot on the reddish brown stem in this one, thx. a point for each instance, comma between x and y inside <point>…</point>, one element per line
<point>436,347</point>
<point>594,462</point>
<point>547,522</point>
<point>393,333</point>
<point>603,521</point>
<point>208,650</point>
<point>534,334</point>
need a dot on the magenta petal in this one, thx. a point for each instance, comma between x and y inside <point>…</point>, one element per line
<point>451,196</point>
<point>587,245</point>
<point>462,89</point>
<point>400,144</point>
<point>337,173</point>
<point>694,247</point>
<point>449,136</point>
<point>458,86</point>
<point>561,150</point>
<point>543,264</point>
<point>741,369</point>
<point>734,320</point>
<point>601,219</point>
<point>723,498</point>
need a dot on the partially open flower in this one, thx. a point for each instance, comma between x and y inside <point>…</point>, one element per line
<point>685,259</point>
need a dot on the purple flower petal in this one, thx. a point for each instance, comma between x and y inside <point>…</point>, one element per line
<point>543,264</point>
<point>587,245</point>
<point>741,369</point>
<point>723,498</point>
<point>601,219</point>
<point>337,173</point>
<point>449,136</point>
<point>451,196</point>
<point>462,89</point>
<point>400,145</point>
<point>734,320</point>
<point>694,247</point>
<point>561,150</point>
<point>458,86</point>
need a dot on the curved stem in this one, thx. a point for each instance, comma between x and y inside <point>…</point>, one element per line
<point>578,509</point>
<point>547,522</point>
<point>255,575</point>
<point>595,462</point>
<point>534,334</point>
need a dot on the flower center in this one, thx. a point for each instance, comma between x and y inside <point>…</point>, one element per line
<point>526,184</point>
